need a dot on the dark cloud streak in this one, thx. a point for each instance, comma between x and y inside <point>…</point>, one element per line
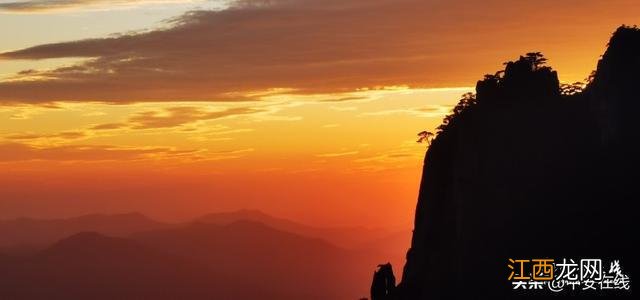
<point>176,116</point>
<point>309,46</point>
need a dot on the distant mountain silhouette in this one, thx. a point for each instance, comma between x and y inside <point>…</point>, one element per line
<point>24,233</point>
<point>92,266</point>
<point>239,260</point>
<point>293,265</point>
<point>279,258</point>
<point>527,168</point>
<point>348,237</point>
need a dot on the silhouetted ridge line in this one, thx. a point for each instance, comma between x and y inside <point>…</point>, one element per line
<point>43,232</point>
<point>529,168</point>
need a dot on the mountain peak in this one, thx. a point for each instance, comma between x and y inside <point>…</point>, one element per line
<point>520,147</point>
<point>523,80</point>
<point>619,64</point>
<point>625,39</point>
<point>45,231</point>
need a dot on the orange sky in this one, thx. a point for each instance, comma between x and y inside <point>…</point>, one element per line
<point>304,110</point>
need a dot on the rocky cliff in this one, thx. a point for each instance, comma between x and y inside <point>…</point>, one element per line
<point>525,170</point>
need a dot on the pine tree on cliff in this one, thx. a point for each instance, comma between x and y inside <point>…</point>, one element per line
<point>528,167</point>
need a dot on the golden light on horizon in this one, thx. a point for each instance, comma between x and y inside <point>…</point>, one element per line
<point>185,109</point>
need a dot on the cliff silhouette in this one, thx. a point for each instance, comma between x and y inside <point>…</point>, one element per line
<point>529,168</point>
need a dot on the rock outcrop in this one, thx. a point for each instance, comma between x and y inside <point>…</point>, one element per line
<point>522,170</point>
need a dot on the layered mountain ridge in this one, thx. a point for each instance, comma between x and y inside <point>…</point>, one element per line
<point>243,254</point>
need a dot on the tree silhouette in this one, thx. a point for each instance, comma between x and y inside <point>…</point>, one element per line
<point>570,89</point>
<point>492,76</point>
<point>425,136</point>
<point>591,77</point>
<point>537,59</point>
<point>467,101</point>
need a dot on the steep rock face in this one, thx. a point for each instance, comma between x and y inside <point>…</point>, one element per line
<point>525,172</point>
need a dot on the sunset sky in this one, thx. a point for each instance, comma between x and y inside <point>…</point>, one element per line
<point>307,110</point>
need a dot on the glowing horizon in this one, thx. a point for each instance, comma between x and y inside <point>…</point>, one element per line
<point>304,111</point>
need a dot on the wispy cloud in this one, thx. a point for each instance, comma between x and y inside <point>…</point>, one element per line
<point>109,126</point>
<point>344,99</point>
<point>175,116</point>
<point>430,111</point>
<point>337,154</point>
<point>22,152</point>
<point>407,151</point>
<point>66,135</point>
<point>305,47</point>
<point>225,154</point>
<point>41,6</point>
